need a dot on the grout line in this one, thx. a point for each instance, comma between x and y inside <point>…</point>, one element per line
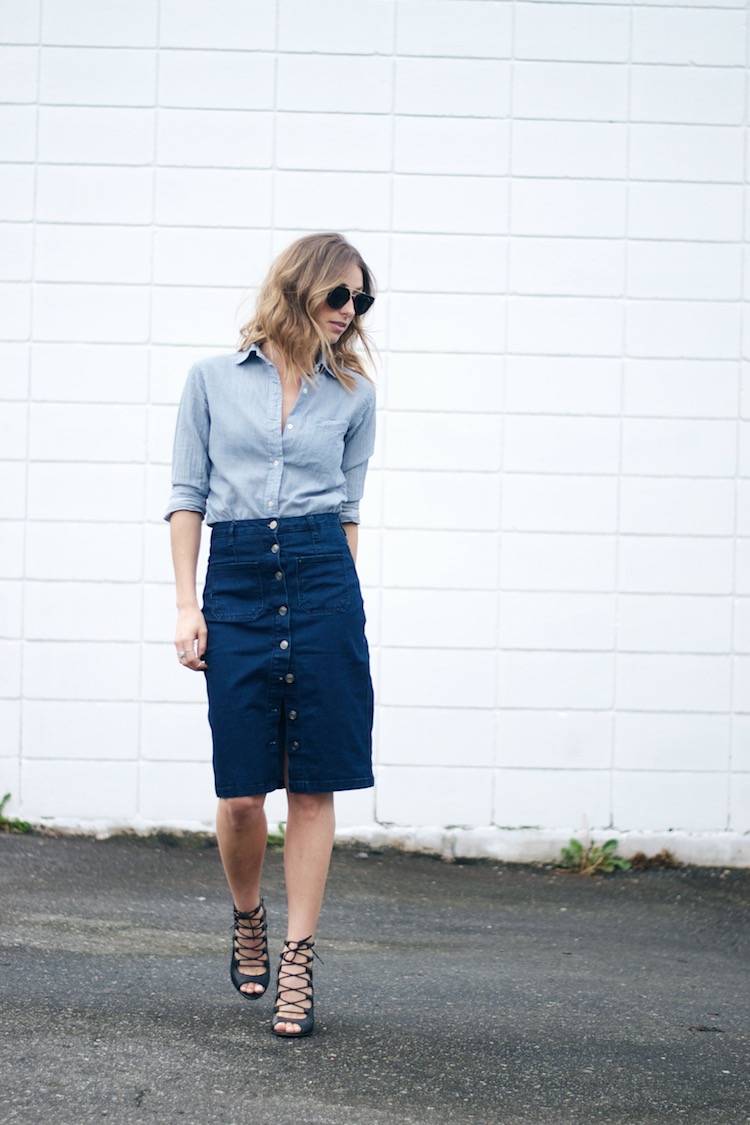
<point>383,410</point>
<point>27,469</point>
<point>503,419</point>
<point>621,430</point>
<point>147,406</point>
<point>734,671</point>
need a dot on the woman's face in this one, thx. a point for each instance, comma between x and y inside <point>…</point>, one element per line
<point>334,322</point>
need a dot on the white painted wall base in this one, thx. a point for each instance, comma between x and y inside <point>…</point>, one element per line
<point>533,845</point>
<point>507,845</point>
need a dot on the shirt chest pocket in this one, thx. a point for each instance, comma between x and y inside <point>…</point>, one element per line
<point>321,449</point>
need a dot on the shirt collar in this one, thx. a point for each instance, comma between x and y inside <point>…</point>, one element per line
<point>255,349</point>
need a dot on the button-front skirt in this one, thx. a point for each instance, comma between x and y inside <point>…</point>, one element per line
<point>288,666</point>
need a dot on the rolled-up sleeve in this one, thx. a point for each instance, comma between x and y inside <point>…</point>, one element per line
<point>358,447</point>
<point>190,461</point>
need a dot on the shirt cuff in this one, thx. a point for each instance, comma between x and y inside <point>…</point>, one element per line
<point>185,500</point>
<point>349,512</point>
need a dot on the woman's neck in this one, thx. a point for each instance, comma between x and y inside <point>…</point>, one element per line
<point>272,352</point>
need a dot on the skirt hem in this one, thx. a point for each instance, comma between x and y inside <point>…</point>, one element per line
<point>336,785</point>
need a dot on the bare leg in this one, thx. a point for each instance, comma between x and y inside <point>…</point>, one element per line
<point>307,855</point>
<point>242,833</point>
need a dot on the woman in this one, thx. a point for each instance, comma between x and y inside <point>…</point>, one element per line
<point>272,446</point>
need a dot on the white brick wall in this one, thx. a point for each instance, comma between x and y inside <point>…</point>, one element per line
<point>556,553</point>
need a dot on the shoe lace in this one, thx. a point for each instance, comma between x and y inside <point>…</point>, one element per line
<point>296,995</point>
<point>249,928</point>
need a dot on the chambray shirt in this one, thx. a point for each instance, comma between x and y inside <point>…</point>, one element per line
<point>232,462</point>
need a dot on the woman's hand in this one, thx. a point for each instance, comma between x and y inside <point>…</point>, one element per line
<point>191,636</point>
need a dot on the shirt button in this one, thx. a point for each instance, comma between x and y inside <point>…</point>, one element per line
<point>292,714</point>
<point>284,644</point>
<point>274,523</point>
<point>290,425</point>
<point>278,576</point>
<point>289,677</point>
<point>274,548</point>
<point>283,611</point>
<point>304,390</point>
<point>269,504</point>
<point>295,746</point>
<point>276,464</point>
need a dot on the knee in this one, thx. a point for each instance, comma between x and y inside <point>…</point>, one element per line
<point>241,812</point>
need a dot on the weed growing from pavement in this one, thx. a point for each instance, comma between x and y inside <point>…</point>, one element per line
<point>11,823</point>
<point>593,859</point>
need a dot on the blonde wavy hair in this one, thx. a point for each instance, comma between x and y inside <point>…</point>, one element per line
<point>293,291</point>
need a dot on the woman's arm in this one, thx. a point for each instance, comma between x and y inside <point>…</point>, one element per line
<point>351,531</point>
<point>358,447</point>
<point>191,634</point>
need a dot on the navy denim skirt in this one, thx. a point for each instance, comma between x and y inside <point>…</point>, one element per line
<point>288,665</point>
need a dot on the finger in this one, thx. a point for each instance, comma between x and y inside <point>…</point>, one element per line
<point>185,650</point>
<point>188,657</point>
<point>196,662</point>
<point>202,643</point>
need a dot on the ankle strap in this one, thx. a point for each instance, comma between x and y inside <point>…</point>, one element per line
<point>304,945</point>
<point>248,915</point>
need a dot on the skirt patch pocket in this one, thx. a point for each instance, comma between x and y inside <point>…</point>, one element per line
<point>234,592</point>
<point>322,581</point>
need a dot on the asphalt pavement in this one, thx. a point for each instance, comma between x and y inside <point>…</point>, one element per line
<point>450,993</point>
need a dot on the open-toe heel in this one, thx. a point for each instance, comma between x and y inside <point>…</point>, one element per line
<point>294,992</point>
<point>250,951</point>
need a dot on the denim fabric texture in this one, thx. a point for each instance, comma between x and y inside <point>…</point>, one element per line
<point>288,665</point>
<point>232,461</point>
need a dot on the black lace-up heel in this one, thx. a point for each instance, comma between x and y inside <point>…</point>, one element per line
<point>294,993</point>
<point>250,948</point>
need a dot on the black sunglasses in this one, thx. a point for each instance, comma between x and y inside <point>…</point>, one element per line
<point>339,296</point>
